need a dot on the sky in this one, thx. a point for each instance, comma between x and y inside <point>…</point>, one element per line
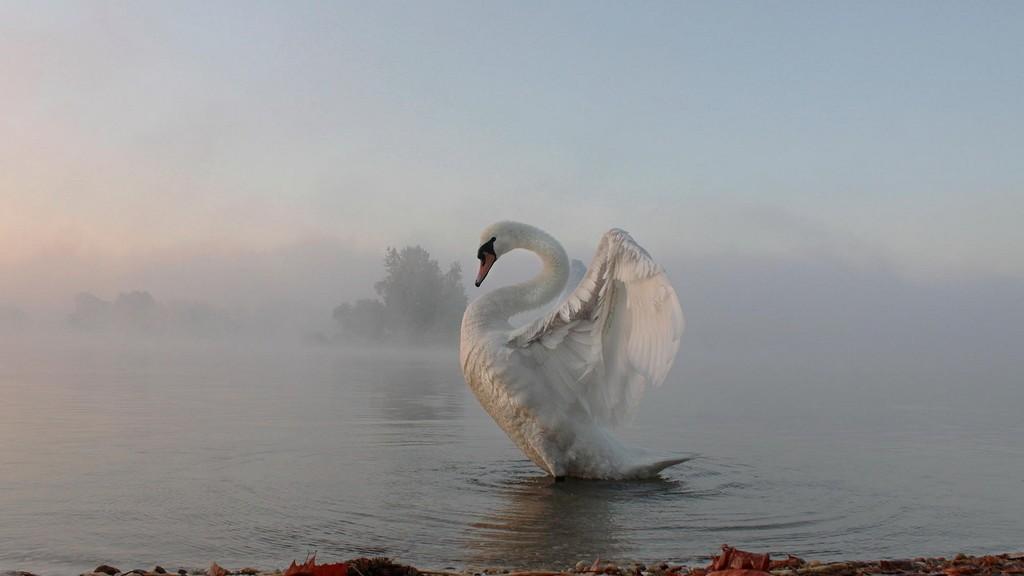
<point>268,152</point>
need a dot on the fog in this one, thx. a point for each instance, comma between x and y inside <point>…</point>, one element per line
<point>807,312</point>
<point>285,290</point>
<point>820,190</point>
<point>237,238</point>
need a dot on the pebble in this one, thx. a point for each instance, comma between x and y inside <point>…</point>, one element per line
<point>896,565</point>
<point>820,568</point>
<point>960,565</point>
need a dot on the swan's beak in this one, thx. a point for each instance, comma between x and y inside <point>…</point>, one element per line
<point>487,260</point>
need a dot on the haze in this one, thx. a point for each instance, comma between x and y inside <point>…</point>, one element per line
<point>799,168</point>
<point>189,190</point>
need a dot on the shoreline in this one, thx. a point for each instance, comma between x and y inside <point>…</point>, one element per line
<point>730,562</point>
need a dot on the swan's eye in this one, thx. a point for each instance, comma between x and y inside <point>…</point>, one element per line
<point>487,257</point>
<point>486,248</point>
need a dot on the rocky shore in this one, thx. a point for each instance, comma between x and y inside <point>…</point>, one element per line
<point>731,562</point>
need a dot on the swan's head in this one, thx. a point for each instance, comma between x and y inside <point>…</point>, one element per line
<point>495,240</point>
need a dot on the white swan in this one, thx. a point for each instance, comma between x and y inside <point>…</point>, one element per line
<point>558,384</point>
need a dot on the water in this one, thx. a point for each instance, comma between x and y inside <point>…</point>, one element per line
<point>256,455</point>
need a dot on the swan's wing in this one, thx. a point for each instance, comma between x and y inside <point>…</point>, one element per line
<point>616,334</point>
<point>577,270</point>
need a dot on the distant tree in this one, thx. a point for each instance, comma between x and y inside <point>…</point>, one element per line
<point>363,319</point>
<point>137,311</point>
<point>417,300</point>
<point>90,312</point>
<point>200,319</point>
<point>453,300</point>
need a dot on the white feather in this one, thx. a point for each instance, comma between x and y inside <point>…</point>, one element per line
<point>627,313</point>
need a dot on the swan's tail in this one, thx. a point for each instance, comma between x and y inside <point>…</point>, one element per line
<point>651,468</point>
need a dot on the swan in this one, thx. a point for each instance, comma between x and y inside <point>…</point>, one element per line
<point>559,384</point>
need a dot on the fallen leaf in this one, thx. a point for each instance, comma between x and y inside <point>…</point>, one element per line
<point>731,558</point>
<point>311,568</point>
<point>739,572</point>
<point>960,570</point>
<point>991,561</point>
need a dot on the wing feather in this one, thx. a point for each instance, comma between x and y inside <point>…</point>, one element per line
<point>616,335</point>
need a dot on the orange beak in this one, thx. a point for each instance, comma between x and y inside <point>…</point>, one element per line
<point>486,261</point>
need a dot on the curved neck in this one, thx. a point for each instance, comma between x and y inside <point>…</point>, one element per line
<point>505,302</point>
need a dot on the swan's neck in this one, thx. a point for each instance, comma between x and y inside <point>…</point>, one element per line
<point>503,303</point>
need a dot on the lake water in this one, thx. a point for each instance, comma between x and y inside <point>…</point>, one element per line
<point>257,455</point>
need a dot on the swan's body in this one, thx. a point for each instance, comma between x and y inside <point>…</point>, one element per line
<point>558,384</point>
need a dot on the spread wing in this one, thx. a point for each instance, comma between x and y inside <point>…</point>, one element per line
<point>616,335</point>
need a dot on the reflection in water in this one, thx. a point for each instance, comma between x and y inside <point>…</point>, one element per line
<point>255,456</point>
<point>418,386</point>
<point>541,522</point>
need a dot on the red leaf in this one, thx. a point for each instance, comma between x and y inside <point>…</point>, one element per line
<point>739,572</point>
<point>311,568</point>
<point>732,558</point>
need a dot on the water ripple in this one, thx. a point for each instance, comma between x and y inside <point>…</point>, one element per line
<point>228,461</point>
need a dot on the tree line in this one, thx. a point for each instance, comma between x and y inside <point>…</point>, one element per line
<point>416,301</point>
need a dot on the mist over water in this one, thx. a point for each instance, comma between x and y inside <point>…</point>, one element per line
<point>829,411</point>
<point>196,198</point>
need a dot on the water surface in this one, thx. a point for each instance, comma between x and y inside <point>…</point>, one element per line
<point>256,455</point>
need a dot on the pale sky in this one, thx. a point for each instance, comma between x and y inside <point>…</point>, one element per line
<point>138,133</point>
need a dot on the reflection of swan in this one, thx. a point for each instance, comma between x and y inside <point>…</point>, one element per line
<point>519,532</point>
<point>557,384</point>
<point>591,520</point>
